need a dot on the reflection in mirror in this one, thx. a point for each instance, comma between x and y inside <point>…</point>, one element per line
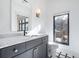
<point>22,23</point>
<point>61,29</point>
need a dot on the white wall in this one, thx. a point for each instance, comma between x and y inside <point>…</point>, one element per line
<point>59,6</point>
<point>41,4</point>
<point>4,16</point>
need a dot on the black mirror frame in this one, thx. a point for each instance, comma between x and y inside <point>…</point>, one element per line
<point>54,29</point>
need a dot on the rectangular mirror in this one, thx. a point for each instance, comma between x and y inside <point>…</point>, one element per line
<point>61,28</point>
<point>20,15</point>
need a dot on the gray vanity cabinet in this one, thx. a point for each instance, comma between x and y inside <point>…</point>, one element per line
<point>36,48</point>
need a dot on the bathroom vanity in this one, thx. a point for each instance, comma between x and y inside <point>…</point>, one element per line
<point>24,47</point>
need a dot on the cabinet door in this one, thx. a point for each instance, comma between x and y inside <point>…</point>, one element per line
<point>44,50</point>
<point>40,51</point>
<point>27,54</point>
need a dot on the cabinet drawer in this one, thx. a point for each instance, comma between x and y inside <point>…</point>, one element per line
<point>12,50</point>
<point>33,43</point>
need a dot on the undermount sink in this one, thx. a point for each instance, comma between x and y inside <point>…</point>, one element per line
<point>32,35</point>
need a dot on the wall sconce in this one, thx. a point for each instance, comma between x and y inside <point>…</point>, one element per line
<point>37,12</point>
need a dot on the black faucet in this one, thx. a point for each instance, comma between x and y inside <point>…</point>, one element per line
<point>24,32</point>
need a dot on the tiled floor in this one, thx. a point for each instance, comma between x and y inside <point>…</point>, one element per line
<point>60,55</point>
<point>52,53</point>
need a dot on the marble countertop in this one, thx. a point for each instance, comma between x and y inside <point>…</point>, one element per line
<point>9,41</point>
